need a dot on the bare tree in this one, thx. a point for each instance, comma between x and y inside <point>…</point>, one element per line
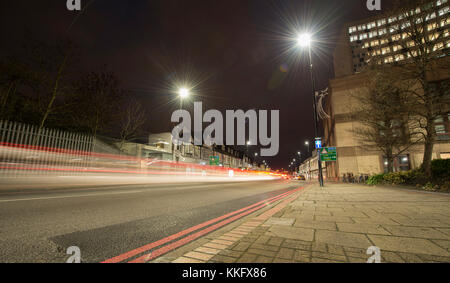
<point>416,32</point>
<point>131,120</point>
<point>95,97</point>
<point>48,67</point>
<point>12,76</point>
<point>383,111</point>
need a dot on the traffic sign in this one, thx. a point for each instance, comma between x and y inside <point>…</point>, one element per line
<point>214,160</point>
<point>328,154</point>
<point>318,143</point>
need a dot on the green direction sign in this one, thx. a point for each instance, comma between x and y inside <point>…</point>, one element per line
<point>328,154</point>
<point>214,160</point>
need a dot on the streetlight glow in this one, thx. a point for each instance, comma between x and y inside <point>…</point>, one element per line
<point>183,92</point>
<point>304,39</point>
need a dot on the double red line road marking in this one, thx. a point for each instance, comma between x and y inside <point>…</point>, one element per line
<point>225,219</point>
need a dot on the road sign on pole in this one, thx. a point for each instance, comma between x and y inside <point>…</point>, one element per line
<point>318,143</point>
<point>328,154</point>
<point>214,160</point>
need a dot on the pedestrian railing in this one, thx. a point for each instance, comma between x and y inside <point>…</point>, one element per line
<point>27,150</point>
<point>24,146</point>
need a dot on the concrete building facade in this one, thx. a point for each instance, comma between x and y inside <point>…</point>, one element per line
<point>360,41</point>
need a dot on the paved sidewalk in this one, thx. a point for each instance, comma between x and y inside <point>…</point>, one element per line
<point>337,223</point>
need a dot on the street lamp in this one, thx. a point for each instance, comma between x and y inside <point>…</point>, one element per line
<point>304,40</point>
<point>183,93</point>
<point>307,144</point>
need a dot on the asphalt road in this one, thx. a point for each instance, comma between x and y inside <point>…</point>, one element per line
<point>105,221</point>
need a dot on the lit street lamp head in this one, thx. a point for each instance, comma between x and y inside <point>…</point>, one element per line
<point>183,92</point>
<point>304,40</point>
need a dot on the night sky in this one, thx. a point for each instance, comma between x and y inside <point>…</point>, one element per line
<point>238,53</point>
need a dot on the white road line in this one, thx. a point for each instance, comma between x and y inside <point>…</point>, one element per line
<point>72,196</point>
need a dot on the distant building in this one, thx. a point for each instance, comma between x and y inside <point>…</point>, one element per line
<point>310,168</point>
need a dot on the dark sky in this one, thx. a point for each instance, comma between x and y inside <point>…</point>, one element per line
<point>238,53</point>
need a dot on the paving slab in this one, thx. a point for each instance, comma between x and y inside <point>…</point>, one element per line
<point>364,228</point>
<point>280,221</point>
<point>416,232</point>
<point>343,239</point>
<point>304,234</point>
<point>408,245</point>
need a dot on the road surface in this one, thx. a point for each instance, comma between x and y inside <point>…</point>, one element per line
<point>105,221</point>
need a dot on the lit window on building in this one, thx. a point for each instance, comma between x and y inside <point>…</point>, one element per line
<point>397,48</point>
<point>438,46</point>
<point>361,27</point>
<point>434,36</point>
<point>392,19</point>
<point>432,26</point>
<point>393,29</point>
<point>399,57</point>
<point>373,34</point>
<point>396,37</point>
<point>444,11</point>
<point>381,22</point>
<point>430,16</point>
<point>442,126</point>
<point>406,25</point>
<point>401,163</point>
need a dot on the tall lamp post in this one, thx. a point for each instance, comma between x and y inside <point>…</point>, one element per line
<point>307,144</point>
<point>304,40</point>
